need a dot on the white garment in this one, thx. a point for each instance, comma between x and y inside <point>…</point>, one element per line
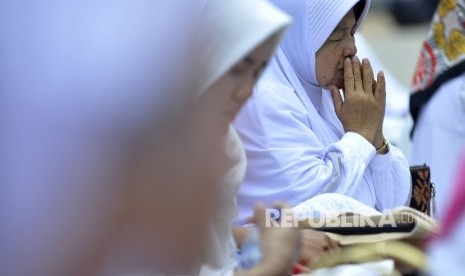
<point>295,144</point>
<point>221,248</point>
<point>230,30</point>
<point>82,82</point>
<point>375,268</point>
<point>446,254</point>
<point>439,136</point>
<point>332,205</point>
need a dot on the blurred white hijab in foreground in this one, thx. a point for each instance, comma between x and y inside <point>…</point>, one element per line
<point>85,88</point>
<point>230,31</point>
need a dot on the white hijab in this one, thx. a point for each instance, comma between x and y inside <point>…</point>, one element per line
<point>229,31</point>
<point>82,82</point>
<point>294,64</point>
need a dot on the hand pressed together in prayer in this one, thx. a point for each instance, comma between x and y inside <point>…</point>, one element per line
<point>363,107</point>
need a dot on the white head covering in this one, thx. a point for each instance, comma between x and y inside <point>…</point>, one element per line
<point>82,82</point>
<point>294,64</point>
<point>232,29</point>
<point>229,30</point>
<point>314,21</point>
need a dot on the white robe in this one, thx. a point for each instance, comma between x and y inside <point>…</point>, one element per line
<point>287,160</point>
<point>439,136</point>
<point>295,144</point>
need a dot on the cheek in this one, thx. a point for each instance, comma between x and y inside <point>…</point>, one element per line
<point>325,70</point>
<point>333,65</point>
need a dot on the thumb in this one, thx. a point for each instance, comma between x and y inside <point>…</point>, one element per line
<point>337,99</point>
<point>260,215</point>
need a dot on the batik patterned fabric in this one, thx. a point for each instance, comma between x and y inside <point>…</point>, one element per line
<point>422,189</point>
<point>442,56</point>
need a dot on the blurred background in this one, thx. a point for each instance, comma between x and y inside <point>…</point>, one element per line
<point>395,30</point>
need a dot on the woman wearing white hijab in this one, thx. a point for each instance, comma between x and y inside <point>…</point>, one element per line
<point>300,139</point>
<point>235,58</point>
<point>85,187</point>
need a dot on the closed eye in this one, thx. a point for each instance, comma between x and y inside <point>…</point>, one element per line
<point>337,36</point>
<point>237,70</point>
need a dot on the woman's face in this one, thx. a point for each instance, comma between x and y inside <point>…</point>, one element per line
<point>330,57</point>
<point>228,94</point>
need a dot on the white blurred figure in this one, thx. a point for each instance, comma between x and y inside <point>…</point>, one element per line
<point>236,58</point>
<point>446,252</point>
<point>86,87</point>
<point>437,103</point>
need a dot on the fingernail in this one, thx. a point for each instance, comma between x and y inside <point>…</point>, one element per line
<point>355,59</point>
<point>381,74</point>
<point>366,61</point>
<point>347,60</point>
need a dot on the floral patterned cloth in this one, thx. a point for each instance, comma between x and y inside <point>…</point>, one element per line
<point>442,56</point>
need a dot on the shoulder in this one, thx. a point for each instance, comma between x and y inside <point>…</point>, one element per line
<point>274,95</point>
<point>267,87</point>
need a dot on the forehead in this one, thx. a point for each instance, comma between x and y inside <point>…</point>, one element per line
<point>348,20</point>
<point>262,52</point>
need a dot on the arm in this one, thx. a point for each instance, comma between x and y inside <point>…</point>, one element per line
<point>239,234</point>
<point>287,160</point>
<point>389,168</point>
<point>392,176</point>
<point>313,244</point>
<point>289,157</point>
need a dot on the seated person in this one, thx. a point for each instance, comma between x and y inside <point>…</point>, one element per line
<point>301,136</point>
<point>437,103</point>
<point>235,59</point>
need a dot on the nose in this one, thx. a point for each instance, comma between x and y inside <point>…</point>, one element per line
<point>350,50</point>
<point>243,92</point>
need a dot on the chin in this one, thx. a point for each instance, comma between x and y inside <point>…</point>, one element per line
<point>339,83</point>
<point>335,84</point>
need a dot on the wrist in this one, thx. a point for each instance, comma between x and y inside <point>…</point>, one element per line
<point>383,148</point>
<point>378,140</point>
<point>275,267</point>
<point>368,136</point>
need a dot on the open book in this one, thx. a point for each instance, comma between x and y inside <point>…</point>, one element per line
<point>398,224</point>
